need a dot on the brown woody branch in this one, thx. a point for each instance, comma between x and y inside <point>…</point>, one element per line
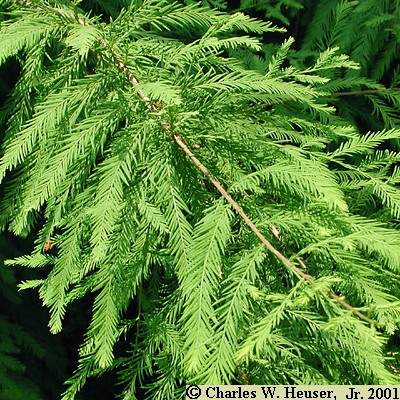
<point>262,238</point>
<point>179,140</point>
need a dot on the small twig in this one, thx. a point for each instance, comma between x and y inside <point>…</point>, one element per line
<point>363,92</point>
<point>337,94</point>
<point>275,232</point>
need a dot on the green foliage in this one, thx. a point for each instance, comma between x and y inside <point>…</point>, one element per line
<point>88,160</point>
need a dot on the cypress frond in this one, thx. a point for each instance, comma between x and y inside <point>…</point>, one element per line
<point>199,285</point>
<point>24,33</point>
<point>232,309</point>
